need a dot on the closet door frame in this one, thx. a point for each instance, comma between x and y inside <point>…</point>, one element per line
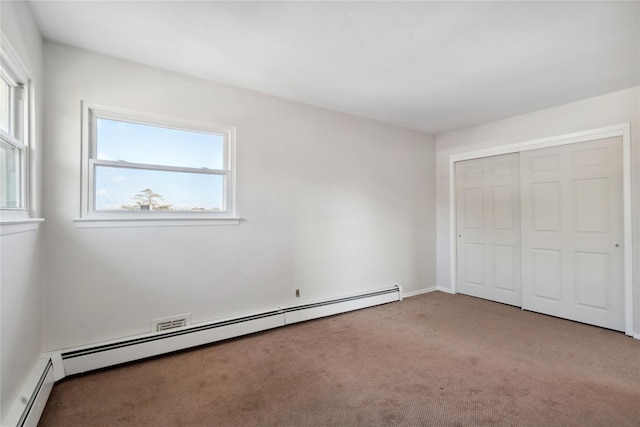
<point>621,130</point>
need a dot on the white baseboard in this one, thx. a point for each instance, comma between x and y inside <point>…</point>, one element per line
<point>28,407</point>
<point>636,336</point>
<point>447,290</point>
<point>420,291</point>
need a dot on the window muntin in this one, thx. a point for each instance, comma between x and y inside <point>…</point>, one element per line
<point>144,167</point>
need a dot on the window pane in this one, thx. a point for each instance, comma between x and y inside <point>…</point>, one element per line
<point>141,189</point>
<point>9,176</point>
<point>137,143</point>
<point>5,106</point>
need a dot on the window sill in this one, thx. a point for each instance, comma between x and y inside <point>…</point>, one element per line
<point>14,226</point>
<point>152,222</point>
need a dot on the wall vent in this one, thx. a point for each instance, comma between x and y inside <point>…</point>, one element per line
<point>172,322</point>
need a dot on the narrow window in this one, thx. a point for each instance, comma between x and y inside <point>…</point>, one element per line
<point>13,138</point>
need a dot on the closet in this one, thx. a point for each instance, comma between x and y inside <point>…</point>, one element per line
<point>543,229</point>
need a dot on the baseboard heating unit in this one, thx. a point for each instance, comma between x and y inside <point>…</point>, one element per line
<point>54,366</point>
<point>87,358</point>
<point>26,411</point>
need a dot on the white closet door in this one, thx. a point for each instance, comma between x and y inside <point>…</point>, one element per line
<point>488,228</point>
<point>572,232</point>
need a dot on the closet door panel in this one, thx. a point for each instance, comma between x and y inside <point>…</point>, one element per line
<point>572,234</point>
<point>488,228</point>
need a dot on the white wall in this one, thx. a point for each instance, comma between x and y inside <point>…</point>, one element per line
<point>20,279</point>
<point>606,110</point>
<point>332,204</point>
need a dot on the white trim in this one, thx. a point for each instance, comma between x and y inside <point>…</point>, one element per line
<point>14,226</point>
<point>571,138</point>
<point>12,140</point>
<point>23,137</point>
<point>158,120</point>
<point>622,130</point>
<point>628,229</point>
<point>175,221</point>
<point>11,61</point>
<point>453,255</point>
<point>636,336</point>
<point>20,221</point>
<point>92,111</point>
<point>128,165</point>
<point>420,291</point>
<point>13,214</point>
<point>446,290</point>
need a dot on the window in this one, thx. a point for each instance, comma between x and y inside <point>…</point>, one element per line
<point>142,167</point>
<point>14,136</point>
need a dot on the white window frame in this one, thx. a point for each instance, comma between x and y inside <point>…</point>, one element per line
<point>20,133</point>
<point>90,217</point>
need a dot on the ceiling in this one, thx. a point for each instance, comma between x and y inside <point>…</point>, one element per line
<point>429,66</point>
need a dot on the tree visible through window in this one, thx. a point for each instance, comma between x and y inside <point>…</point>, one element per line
<point>147,200</point>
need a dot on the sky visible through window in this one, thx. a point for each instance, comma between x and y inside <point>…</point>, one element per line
<point>117,186</point>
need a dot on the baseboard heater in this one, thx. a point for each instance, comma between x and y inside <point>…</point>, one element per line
<point>87,358</point>
<point>27,409</point>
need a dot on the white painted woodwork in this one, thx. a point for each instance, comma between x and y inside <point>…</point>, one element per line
<point>572,260</point>
<point>594,109</point>
<point>572,232</point>
<point>488,227</point>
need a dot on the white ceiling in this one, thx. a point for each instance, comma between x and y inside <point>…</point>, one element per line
<point>430,66</point>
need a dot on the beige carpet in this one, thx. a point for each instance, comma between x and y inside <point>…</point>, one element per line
<point>431,360</point>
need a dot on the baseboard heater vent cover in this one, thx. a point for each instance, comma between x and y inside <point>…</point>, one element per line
<point>28,407</point>
<point>87,358</point>
<point>162,324</point>
<point>303,312</point>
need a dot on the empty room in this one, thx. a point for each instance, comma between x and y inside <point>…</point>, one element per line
<point>308,213</point>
